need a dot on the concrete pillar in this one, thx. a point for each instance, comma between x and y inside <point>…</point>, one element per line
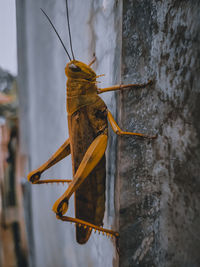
<point>159,180</point>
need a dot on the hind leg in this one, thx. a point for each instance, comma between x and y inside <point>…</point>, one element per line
<point>91,158</point>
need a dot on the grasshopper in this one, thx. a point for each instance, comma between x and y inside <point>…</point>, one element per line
<point>88,119</point>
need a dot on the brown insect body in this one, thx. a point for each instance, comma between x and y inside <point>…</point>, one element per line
<point>87,118</point>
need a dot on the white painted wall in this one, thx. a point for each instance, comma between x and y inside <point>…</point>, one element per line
<point>95,27</point>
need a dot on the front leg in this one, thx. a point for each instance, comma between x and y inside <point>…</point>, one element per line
<point>123,86</point>
<point>93,60</point>
<point>60,154</point>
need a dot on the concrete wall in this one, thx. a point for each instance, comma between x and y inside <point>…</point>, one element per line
<point>159,181</point>
<point>95,27</point>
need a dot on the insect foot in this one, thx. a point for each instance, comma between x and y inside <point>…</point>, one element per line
<point>34,176</point>
<point>143,85</point>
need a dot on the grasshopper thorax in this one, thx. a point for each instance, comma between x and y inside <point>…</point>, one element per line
<point>78,70</point>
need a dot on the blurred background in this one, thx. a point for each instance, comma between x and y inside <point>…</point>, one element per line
<point>13,238</point>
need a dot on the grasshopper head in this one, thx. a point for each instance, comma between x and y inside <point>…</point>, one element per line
<point>78,70</point>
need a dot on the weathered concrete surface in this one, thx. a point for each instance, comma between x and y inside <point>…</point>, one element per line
<point>159,181</point>
<point>95,29</point>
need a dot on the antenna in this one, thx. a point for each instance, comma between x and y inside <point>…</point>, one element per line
<point>70,38</point>
<point>56,33</point>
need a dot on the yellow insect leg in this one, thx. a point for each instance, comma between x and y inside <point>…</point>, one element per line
<point>118,131</point>
<point>91,158</point>
<point>91,226</point>
<point>60,154</point>
<point>123,86</point>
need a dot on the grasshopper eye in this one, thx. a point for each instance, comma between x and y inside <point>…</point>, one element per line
<point>74,68</point>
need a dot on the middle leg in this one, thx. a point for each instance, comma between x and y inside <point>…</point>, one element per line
<point>118,131</point>
<point>123,86</point>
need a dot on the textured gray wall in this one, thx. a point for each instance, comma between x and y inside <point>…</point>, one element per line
<point>159,181</point>
<point>95,27</point>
